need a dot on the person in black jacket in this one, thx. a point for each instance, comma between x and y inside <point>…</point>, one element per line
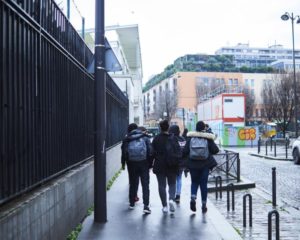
<point>163,172</point>
<point>138,162</point>
<point>199,169</point>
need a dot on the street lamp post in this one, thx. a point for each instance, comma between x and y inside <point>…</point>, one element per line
<point>100,203</point>
<point>286,17</point>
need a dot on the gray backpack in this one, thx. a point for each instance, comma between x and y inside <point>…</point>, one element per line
<point>137,150</point>
<point>199,149</point>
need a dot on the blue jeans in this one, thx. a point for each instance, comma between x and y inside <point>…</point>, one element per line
<point>199,177</point>
<point>179,182</point>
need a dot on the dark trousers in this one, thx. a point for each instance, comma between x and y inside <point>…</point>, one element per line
<point>199,177</point>
<point>138,170</point>
<point>162,180</point>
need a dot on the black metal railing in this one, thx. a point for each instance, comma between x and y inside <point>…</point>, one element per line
<point>47,97</point>
<point>228,165</point>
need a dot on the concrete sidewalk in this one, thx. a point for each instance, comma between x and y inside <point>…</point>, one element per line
<point>125,224</point>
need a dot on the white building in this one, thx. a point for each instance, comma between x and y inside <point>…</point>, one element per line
<point>125,42</point>
<point>244,55</point>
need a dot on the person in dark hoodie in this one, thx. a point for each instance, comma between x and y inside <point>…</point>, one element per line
<point>164,173</point>
<point>174,129</point>
<point>199,148</point>
<point>136,153</point>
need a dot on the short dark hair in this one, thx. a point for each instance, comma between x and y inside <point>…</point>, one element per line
<point>131,126</point>
<point>200,126</point>
<point>164,125</point>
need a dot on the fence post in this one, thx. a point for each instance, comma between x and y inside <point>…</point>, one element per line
<point>227,164</point>
<point>218,180</point>
<point>230,187</point>
<point>275,148</point>
<point>238,166</point>
<point>274,186</point>
<point>250,209</point>
<point>275,212</point>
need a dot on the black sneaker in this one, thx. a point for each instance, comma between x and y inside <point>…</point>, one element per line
<point>147,210</point>
<point>193,205</point>
<point>177,198</point>
<point>204,209</point>
<point>131,206</point>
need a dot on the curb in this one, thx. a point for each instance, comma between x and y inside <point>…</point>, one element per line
<point>269,157</point>
<point>219,222</point>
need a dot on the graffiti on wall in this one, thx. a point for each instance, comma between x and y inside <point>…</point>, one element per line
<point>247,133</point>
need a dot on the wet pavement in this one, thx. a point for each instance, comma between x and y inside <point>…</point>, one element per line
<point>125,224</point>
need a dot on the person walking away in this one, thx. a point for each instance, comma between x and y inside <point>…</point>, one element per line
<point>199,148</point>
<point>136,153</point>
<point>174,129</point>
<point>165,173</point>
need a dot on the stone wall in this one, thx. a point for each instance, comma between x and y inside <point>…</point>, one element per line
<point>53,210</point>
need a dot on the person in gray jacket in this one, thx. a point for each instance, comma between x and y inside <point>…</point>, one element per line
<point>199,148</point>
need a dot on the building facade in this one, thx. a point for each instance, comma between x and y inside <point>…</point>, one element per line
<point>244,55</point>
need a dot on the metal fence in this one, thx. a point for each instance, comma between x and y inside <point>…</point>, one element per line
<point>228,166</point>
<point>47,97</point>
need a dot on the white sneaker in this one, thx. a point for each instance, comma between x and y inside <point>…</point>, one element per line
<point>165,209</point>
<point>172,206</point>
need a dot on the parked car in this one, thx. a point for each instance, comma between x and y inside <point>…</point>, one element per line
<point>296,151</point>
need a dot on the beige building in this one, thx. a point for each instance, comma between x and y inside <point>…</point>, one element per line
<point>194,87</point>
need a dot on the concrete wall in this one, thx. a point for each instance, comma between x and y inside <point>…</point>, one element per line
<point>55,209</point>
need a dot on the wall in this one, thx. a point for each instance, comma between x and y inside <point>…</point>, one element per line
<point>55,209</point>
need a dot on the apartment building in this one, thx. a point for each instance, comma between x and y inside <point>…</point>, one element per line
<point>125,43</point>
<point>244,55</point>
<point>190,85</point>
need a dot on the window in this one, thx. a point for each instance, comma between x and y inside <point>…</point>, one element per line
<point>235,81</point>
<point>228,100</point>
<point>246,82</point>
<point>230,81</point>
<point>252,92</point>
<point>167,86</point>
<point>252,82</point>
<point>256,113</point>
<point>262,112</point>
<point>174,84</point>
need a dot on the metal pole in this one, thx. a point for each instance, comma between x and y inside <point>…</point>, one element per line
<point>100,116</point>
<point>294,73</point>
<point>274,186</point>
<point>274,212</point>
<point>183,113</point>
<point>68,9</point>
<point>83,28</point>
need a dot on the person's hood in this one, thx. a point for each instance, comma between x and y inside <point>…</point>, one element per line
<point>174,129</point>
<point>135,134</point>
<point>202,135</point>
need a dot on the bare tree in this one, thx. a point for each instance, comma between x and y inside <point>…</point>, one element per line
<point>278,99</point>
<point>249,102</point>
<point>167,102</point>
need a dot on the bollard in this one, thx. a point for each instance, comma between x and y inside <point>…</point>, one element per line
<point>258,146</point>
<point>266,148</point>
<point>250,209</point>
<point>275,212</point>
<point>218,183</point>
<point>271,143</point>
<point>275,148</point>
<point>230,187</point>
<point>286,148</point>
<point>238,168</point>
<point>274,186</point>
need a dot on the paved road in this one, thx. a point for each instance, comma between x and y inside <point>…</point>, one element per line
<point>260,171</point>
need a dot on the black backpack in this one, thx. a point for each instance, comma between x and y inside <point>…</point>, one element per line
<point>173,152</point>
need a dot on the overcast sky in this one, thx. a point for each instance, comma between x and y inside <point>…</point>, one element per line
<point>172,28</point>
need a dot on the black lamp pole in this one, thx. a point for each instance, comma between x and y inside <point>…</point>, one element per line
<point>286,17</point>
<point>100,117</point>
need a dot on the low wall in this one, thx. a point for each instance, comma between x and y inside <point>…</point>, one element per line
<point>55,209</point>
